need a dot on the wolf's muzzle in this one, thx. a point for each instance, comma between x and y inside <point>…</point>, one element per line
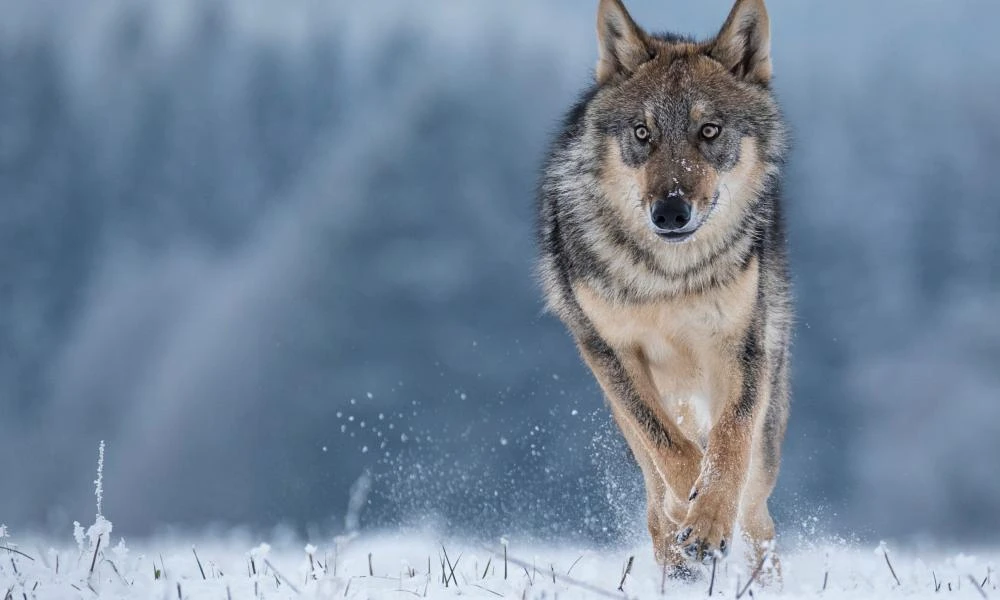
<point>675,219</point>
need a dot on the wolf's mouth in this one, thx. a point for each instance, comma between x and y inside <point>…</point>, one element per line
<point>685,234</point>
<point>676,236</point>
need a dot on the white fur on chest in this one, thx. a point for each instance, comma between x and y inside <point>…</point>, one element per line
<point>682,347</point>
<point>687,345</point>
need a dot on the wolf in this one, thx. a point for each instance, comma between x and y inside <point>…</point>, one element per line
<point>663,250</point>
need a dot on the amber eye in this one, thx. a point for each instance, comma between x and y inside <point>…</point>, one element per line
<point>642,133</point>
<point>710,131</point>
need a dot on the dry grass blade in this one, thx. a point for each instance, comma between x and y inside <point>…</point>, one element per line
<point>451,567</point>
<point>628,569</point>
<point>486,589</point>
<point>711,582</point>
<point>975,584</point>
<point>457,560</point>
<point>487,569</point>
<point>885,553</point>
<point>114,568</point>
<point>97,547</point>
<point>564,578</point>
<point>278,574</point>
<point>570,569</point>
<point>753,577</point>
<point>198,560</point>
<point>18,552</point>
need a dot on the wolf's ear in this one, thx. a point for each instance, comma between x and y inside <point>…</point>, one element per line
<point>623,45</point>
<point>744,44</point>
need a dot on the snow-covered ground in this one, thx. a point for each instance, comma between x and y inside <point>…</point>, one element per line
<point>431,566</point>
<point>410,562</point>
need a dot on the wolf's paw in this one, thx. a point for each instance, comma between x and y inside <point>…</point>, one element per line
<point>707,532</point>
<point>674,565</point>
<point>672,560</point>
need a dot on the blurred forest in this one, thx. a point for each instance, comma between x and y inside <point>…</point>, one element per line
<point>263,248</point>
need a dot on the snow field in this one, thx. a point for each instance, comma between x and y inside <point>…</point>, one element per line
<point>428,566</point>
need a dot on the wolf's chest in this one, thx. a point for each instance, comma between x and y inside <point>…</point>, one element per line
<point>686,345</point>
<point>695,324</point>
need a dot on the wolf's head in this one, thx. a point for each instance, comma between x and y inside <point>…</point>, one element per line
<point>685,133</point>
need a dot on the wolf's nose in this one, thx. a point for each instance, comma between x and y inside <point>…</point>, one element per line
<point>671,214</point>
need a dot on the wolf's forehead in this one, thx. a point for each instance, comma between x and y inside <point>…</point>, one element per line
<point>683,106</point>
<point>677,109</point>
<point>677,89</point>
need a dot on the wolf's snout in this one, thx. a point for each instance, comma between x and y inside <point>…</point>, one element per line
<point>671,214</point>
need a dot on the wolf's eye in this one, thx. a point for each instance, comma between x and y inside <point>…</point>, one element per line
<point>710,131</point>
<point>642,133</point>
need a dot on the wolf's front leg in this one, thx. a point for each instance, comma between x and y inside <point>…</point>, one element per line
<point>715,497</point>
<point>663,511</point>
<point>670,462</point>
<point>707,531</point>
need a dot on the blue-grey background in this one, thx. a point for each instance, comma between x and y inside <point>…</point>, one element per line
<point>264,247</point>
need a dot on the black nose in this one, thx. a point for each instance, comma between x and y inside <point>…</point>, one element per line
<point>671,214</point>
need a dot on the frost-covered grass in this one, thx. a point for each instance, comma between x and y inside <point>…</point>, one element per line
<point>426,565</point>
